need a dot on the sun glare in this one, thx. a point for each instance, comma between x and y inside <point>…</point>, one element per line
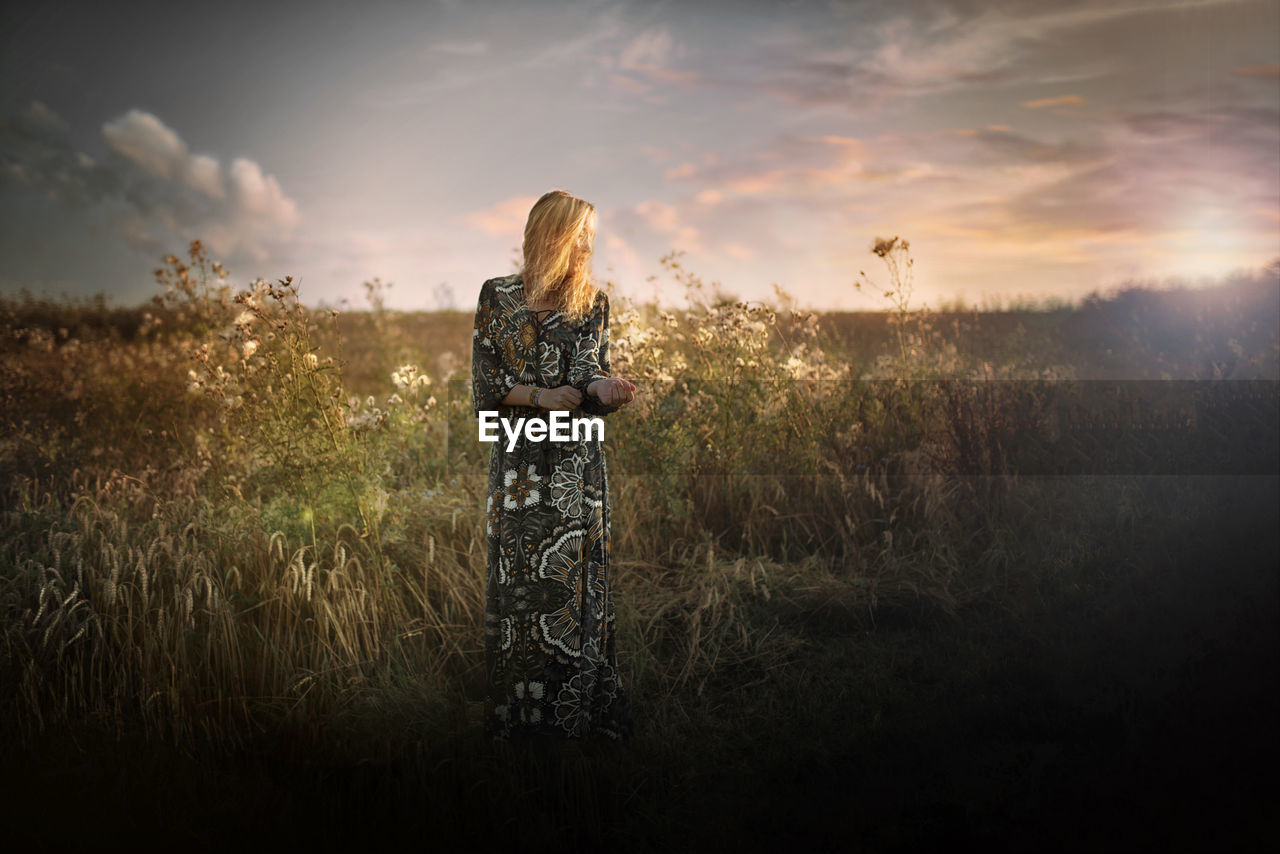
<point>1209,241</point>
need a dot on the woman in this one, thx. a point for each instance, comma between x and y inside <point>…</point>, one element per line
<point>541,343</point>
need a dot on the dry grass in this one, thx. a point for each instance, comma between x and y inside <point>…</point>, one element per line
<point>249,521</point>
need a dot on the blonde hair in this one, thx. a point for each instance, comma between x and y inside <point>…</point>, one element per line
<point>559,237</point>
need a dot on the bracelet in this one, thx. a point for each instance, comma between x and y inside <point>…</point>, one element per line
<point>533,398</point>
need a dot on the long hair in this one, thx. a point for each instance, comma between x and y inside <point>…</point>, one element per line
<point>559,238</point>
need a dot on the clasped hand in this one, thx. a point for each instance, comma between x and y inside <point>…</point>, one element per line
<point>613,391</point>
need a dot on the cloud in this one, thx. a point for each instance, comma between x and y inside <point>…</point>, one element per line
<point>505,218</point>
<point>260,195</point>
<point>622,250</point>
<point>791,166</point>
<point>646,60</point>
<point>1142,186</point>
<point>1002,145</point>
<point>153,193</point>
<point>684,170</point>
<point>503,68</point>
<point>665,219</point>
<point>1265,72</point>
<point>649,48</point>
<point>141,137</point>
<point>1055,101</point>
<point>660,215</point>
<point>36,150</point>
<point>870,59</point>
<point>1159,171</point>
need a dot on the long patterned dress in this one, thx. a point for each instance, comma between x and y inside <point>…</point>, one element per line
<point>550,657</point>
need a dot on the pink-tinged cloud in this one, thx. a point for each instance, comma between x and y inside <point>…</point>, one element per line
<point>260,196</point>
<point>664,219</point>
<point>1265,72</point>
<point>628,84</point>
<point>818,163</point>
<point>849,141</point>
<point>684,170</point>
<point>621,250</point>
<point>668,75</point>
<point>1055,101</point>
<point>659,215</point>
<point>648,59</point>
<point>503,218</point>
<point>760,182</point>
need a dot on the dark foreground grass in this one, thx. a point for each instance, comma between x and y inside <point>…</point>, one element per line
<point>1125,700</point>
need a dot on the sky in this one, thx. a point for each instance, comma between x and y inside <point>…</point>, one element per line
<point>1025,148</point>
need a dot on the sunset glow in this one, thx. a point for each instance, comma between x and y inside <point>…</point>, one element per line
<point>1038,148</point>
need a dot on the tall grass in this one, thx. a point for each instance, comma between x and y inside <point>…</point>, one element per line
<point>208,535</point>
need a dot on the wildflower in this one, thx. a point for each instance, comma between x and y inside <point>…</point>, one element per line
<point>250,347</point>
<point>407,377</point>
<point>245,319</point>
<point>311,359</point>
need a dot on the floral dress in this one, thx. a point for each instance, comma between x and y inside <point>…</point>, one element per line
<point>550,659</point>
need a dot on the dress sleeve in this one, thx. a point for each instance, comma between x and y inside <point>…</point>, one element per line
<point>490,379</point>
<point>596,336</point>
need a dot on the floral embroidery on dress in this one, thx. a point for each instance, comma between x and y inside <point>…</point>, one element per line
<point>522,487</point>
<point>571,494</point>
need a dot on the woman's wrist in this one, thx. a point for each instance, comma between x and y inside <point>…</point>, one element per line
<point>533,396</point>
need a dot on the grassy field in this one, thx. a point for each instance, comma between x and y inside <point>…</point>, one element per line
<point>242,557</point>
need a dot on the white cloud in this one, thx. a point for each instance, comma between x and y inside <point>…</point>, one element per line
<point>202,173</point>
<point>260,195</point>
<point>151,191</point>
<point>147,141</point>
